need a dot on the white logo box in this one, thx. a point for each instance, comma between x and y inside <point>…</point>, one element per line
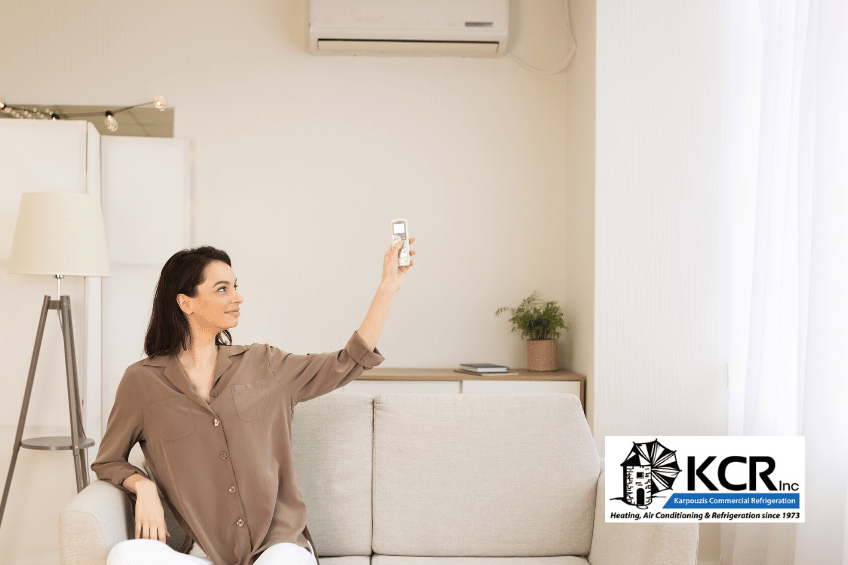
<point>704,478</point>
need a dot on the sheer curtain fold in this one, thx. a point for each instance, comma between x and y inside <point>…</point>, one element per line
<point>785,112</point>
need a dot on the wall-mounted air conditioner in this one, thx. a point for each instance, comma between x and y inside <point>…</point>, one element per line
<point>476,28</point>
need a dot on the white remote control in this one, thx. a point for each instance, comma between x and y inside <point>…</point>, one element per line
<point>400,230</point>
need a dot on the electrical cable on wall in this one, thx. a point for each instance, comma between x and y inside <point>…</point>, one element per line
<point>568,58</point>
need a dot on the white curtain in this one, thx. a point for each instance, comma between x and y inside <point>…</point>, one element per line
<point>785,112</point>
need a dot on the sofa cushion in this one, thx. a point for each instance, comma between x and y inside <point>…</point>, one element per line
<point>332,450</point>
<point>483,475</point>
<point>402,560</point>
<point>349,560</point>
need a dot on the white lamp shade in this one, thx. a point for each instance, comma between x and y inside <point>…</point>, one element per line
<point>58,233</point>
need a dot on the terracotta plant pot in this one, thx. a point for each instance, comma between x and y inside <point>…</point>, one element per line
<point>542,355</point>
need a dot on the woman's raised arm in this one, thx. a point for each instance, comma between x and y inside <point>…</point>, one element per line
<point>393,277</point>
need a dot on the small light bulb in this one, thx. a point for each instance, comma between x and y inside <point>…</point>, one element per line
<point>2,105</point>
<point>111,122</point>
<point>159,103</point>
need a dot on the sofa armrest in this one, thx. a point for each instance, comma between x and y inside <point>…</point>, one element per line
<point>640,543</point>
<point>95,520</point>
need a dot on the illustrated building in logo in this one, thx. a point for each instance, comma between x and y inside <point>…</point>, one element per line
<point>649,468</point>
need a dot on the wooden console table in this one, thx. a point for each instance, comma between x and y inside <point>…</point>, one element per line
<point>447,381</point>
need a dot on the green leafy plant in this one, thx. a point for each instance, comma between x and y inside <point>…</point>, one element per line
<point>536,319</point>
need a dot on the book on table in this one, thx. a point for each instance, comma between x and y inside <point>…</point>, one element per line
<point>498,373</point>
<point>484,368</point>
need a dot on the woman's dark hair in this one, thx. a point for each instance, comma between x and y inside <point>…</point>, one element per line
<point>169,331</point>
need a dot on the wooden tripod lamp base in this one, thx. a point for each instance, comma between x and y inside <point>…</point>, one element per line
<point>77,442</point>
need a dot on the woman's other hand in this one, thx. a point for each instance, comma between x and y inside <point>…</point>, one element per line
<point>392,274</point>
<point>149,514</point>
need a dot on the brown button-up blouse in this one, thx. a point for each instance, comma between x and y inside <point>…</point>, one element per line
<point>225,468</point>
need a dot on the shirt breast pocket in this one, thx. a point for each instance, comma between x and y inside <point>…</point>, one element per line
<point>173,418</point>
<point>253,399</point>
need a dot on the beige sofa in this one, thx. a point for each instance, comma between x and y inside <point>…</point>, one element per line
<point>418,479</point>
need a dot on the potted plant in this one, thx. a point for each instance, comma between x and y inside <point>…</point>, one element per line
<point>540,324</point>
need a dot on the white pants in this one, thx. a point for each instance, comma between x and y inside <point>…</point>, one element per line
<point>146,551</point>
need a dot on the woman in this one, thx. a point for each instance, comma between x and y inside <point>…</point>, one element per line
<point>214,421</point>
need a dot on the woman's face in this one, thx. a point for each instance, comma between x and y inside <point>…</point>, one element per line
<point>217,302</point>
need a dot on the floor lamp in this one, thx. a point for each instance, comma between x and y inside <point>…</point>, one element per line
<point>57,234</point>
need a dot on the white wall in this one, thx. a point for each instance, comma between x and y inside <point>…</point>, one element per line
<point>660,268</point>
<point>147,214</point>
<point>579,216</point>
<point>300,162</point>
<point>660,336</point>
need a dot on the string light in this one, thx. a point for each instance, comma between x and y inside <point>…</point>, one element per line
<point>111,122</point>
<point>48,114</point>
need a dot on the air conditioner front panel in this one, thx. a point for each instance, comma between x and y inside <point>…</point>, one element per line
<point>438,27</point>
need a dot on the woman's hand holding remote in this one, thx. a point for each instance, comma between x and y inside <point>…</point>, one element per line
<point>392,274</point>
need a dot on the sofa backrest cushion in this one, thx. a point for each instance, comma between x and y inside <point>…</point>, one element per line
<point>483,475</point>
<point>332,449</point>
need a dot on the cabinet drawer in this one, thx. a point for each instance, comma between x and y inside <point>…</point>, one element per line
<point>387,387</point>
<point>520,387</point>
